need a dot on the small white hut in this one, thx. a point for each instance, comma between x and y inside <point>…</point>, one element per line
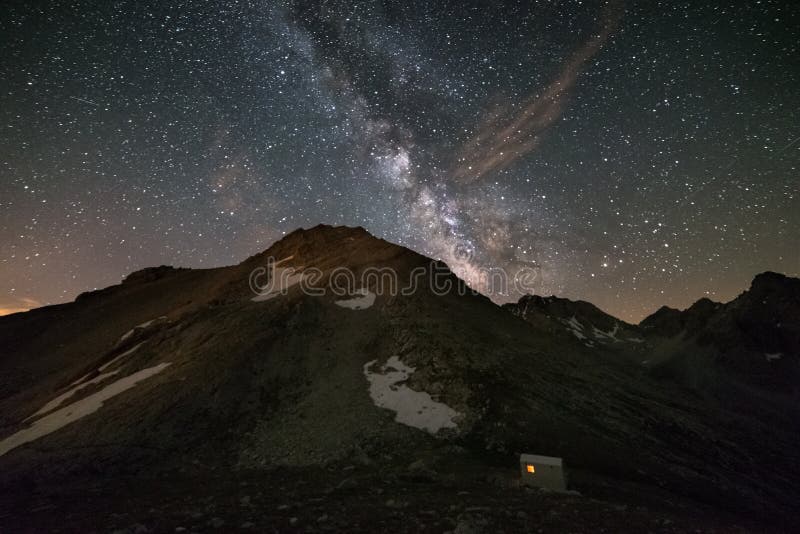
<point>542,472</point>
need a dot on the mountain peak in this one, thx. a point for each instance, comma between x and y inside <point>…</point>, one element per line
<point>329,229</point>
<point>703,306</point>
<point>326,233</point>
<point>768,282</point>
<point>342,246</point>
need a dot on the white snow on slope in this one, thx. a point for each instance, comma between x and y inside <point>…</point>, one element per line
<point>145,324</point>
<point>126,335</point>
<point>574,323</point>
<point>109,364</point>
<point>610,335</point>
<point>413,408</point>
<point>363,302</point>
<point>575,327</point>
<point>75,411</point>
<point>81,383</point>
<point>55,403</point>
<point>579,331</point>
<point>82,379</point>
<point>118,358</point>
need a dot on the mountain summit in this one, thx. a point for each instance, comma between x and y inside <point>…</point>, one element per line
<point>336,367</point>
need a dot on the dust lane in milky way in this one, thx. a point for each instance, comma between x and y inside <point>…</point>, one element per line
<point>634,153</point>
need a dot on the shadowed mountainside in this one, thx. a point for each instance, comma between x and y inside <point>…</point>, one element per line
<point>188,372</point>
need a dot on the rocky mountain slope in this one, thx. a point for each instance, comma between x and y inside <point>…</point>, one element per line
<point>583,321</point>
<point>375,394</point>
<point>754,340</point>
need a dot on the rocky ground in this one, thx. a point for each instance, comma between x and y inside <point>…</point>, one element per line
<point>337,498</point>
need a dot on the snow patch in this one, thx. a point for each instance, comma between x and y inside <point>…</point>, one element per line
<point>82,382</point>
<point>75,411</point>
<point>58,401</point>
<point>610,335</point>
<point>366,300</point>
<point>581,332</point>
<point>412,408</point>
<point>118,358</point>
<point>126,335</point>
<point>109,364</point>
<point>575,327</point>
<point>574,323</point>
<point>773,356</point>
<point>142,326</point>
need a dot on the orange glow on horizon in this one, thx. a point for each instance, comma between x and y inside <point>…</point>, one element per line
<point>9,311</point>
<point>17,304</point>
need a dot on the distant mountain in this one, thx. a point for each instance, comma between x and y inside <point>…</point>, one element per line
<point>372,396</point>
<point>581,320</point>
<point>753,340</point>
<point>668,322</point>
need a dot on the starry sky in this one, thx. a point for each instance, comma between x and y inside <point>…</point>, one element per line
<point>632,154</point>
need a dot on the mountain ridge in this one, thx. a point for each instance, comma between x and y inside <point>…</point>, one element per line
<point>238,381</point>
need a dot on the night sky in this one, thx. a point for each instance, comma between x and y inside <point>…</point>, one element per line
<point>634,154</point>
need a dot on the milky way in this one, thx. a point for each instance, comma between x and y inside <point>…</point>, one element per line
<point>634,154</point>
